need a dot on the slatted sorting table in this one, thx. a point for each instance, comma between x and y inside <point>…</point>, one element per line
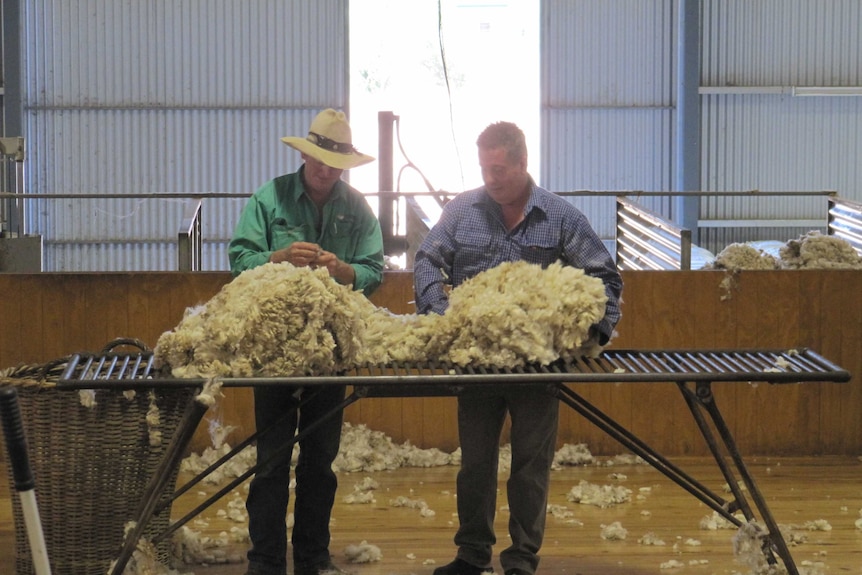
<point>692,371</point>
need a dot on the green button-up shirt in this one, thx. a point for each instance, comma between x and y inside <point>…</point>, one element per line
<point>281,213</point>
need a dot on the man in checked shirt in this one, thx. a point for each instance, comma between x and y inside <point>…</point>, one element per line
<point>509,218</point>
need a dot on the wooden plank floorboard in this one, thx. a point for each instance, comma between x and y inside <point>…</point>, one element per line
<point>798,491</point>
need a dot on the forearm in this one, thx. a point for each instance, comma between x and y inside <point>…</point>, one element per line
<point>242,258</point>
<point>344,273</point>
<point>429,286</point>
<point>366,264</point>
<point>586,251</point>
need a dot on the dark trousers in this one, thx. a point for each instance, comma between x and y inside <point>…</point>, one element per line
<point>535,417</point>
<point>316,483</point>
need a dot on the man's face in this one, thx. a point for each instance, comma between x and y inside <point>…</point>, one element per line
<point>319,177</point>
<point>506,180</point>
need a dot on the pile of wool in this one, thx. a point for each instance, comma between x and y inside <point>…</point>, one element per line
<point>562,513</point>
<point>715,521</point>
<point>508,316</point>
<point>602,496</point>
<point>817,251</point>
<point>388,337</point>
<point>614,532</point>
<point>811,251</point>
<point>625,459</point>
<point>362,449</point>
<point>280,320</point>
<point>748,545</point>
<point>518,313</point>
<point>511,315</point>
<point>650,538</point>
<point>738,256</point>
<point>572,454</point>
<point>365,552</point>
<point>273,320</point>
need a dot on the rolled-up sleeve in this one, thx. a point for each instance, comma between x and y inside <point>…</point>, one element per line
<point>367,260</point>
<point>432,267</point>
<point>584,249</point>
<point>249,247</point>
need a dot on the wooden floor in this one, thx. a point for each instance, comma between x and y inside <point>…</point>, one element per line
<point>817,492</point>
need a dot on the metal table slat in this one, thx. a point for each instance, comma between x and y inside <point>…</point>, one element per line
<point>616,366</point>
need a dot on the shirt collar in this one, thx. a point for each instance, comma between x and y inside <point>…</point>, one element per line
<point>339,191</point>
<point>535,201</point>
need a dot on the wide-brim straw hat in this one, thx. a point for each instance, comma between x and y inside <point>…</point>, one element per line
<point>329,141</point>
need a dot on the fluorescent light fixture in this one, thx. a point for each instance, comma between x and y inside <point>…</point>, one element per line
<point>745,90</point>
<point>827,90</point>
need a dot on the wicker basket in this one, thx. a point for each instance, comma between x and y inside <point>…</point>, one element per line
<point>91,467</point>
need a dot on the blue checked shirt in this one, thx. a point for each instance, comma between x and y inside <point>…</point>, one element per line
<point>471,237</point>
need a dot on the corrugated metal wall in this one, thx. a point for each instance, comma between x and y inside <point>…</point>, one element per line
<point>607,100</point>
<point>608,103</point>
<point>756,134</point>
<point>167,96</point>
<point>187,96</point>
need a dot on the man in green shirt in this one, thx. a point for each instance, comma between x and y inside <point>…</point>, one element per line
<point>307,218</point>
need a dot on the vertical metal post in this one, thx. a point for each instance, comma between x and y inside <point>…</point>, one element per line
<point>11,36</point>
<point>385,167</point>
<point>687,208</point>
<point>20,190</point>
<point>189,239</point>
<point>12,120</point>
<point>12,156</point>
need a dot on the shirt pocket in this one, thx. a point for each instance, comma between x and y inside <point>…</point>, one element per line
<point>339,238</point>
<point>284,234</point>
<point>473,253</point>
<point>539,251</point>
<point>342,226</point>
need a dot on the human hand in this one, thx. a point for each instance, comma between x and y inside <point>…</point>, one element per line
<point>592,346</point>
<point>327,260</point>
<point>338,269</point>
<point>299,254</point>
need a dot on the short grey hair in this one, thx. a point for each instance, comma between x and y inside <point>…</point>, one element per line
<point>504,135</point>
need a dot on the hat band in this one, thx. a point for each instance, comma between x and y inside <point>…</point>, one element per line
<point>330,145</point>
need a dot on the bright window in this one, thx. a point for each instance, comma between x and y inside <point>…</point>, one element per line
<point>399,51</point>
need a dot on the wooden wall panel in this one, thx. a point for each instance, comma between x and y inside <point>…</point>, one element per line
<point>31,335</point>
<point>851,351</point>
<point>145,307</point>
<point>10,322</point>
<point>658,410</point>
<point>73,324</point>
<point>841,334</point>
<point>48,316</point>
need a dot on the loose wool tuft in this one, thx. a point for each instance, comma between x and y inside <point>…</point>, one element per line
<point>817,251</point>
<point>365,552</point>
<point>279,320</point>
<point>811,251</point>
<point>602,496</point>
<point>738,256</point>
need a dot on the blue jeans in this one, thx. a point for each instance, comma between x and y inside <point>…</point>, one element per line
<point>535,417</point>
<point>316,483</point>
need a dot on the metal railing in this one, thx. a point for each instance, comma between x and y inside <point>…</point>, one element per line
<point>646,241</point>
<point>12,173</point>
<point>845,221</point>
<point>190,240</point>
<point>643,239</point>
